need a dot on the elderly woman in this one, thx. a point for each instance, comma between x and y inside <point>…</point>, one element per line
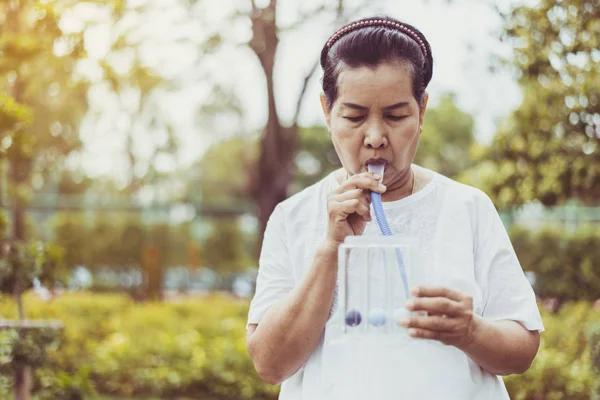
<point>482,316</point>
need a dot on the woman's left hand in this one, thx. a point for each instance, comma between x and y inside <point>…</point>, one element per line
<point>450,318</point>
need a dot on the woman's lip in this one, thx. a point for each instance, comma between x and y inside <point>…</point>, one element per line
<point>375,161</point>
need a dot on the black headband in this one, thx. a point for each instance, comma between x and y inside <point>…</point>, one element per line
<point>378,22</point>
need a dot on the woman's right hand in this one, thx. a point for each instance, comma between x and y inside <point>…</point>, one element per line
<point>349,206</point>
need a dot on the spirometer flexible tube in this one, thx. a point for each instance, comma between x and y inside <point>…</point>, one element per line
<point>383,224</point>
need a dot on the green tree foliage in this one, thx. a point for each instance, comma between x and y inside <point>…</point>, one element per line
<point>116,241</point>
<point>223,171</point>
<point>224,250</point>
<point>71,233</point>
<point>23,344</point>
<point>73,182</point>
<point>123,252</point>
<point>23,262</point>
<point>447,138</point>
<point>12,114</point>
<point>547,149</point>
<point>37,69</point>
<point>315,157</point>
<point>42,103</point>
<point>41,68</point>
<point>566,265</point>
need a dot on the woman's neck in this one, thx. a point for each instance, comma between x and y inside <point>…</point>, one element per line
<point>401,187</point>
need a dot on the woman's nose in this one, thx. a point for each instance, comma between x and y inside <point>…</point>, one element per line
<point>375,136</point>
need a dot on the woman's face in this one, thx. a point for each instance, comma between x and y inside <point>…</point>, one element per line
<point>376,117</point>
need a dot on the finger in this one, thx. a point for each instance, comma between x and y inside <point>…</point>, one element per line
<point>437,291</point>
<point>446,338</point>
<point>436,323</point>
<point>443,337</point>
<point>349,194</point>
<point>351,181</point>
<point>363,181</point>
<point>438,314</point>
<point>359,194</point>
<point>365,206</point>
<point>435,305</point>
<point>366,173</point>
<point>348,207</point>
<point>424,334</point>
<point>363,210</point>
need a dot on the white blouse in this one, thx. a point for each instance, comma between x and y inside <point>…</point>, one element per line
<point>464,245</point>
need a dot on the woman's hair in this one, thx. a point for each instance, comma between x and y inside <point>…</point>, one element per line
<point>370,42</point>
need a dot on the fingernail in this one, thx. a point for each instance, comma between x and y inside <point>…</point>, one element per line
<point>377,176</point>
<point>414,291</point>
<point>404,322</point>
<point>410,304</point>
<point>382,187</point>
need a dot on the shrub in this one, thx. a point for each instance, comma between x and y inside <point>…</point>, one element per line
<point>566,265</point>
<point>595,354</point>
<point>562,368</point>
<point>191,347</point>
<point>196,348</point>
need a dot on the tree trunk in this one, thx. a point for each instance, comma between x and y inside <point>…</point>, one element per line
<point>18,217</point>
<point>22,373</point>
<point>152,266</point>
<point>23,383</point>
<point>272,174</point>
<point>2,180</point>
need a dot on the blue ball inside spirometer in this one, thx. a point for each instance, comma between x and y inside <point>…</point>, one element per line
<point>353,318</point>
<point>377,317</point>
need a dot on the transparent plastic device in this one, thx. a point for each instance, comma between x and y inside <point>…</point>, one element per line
<point>373,274</point>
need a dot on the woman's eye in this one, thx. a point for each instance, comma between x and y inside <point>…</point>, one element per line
<point>396,117</point>
<point>354,119</point>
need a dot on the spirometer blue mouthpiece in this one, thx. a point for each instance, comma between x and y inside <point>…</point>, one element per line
<point>383,223</point>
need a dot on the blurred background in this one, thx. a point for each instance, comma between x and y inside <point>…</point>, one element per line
<point>144,144</point>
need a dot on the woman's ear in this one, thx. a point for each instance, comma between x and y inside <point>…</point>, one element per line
<point>423,108</point>
<point>326,113</point>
